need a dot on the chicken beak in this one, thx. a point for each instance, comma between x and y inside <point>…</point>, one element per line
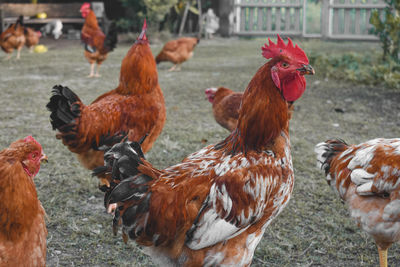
<point>306,69</point>
<point>44,159</point>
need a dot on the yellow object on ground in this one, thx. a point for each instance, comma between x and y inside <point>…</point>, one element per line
<point>41,15</point>
<point>40,49</point>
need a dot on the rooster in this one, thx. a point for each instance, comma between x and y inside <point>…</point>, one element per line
<point>97,44</point>
<point>135,108</point>
<point>213,208</point>
<point>367,178</point>
<point>13,38</point>
<point>177,51</point>
<point>225,105</point>
<point>22,227</point>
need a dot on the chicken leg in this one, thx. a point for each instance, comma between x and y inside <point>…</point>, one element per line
<point>172,68</point>
<point>19,53</point>
<point>383,257</point>
<point>97,71</point>
<point>8,57</point>
<point>91,70</point>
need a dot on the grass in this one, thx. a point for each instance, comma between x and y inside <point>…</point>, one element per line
<point>313,230</point>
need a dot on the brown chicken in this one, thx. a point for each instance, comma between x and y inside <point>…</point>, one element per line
<point>13,38</point>
<point>22,227</point>
<point>213,208</point>
<point>97,44</point>
<point>31,38</point>
<point>135,108</point>
<point>225,105</point>
<point>177,51</point>
<point>367,178</point>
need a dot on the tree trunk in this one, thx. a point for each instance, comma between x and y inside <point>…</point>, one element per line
<point>225,8</point>
<point>200,20</point>
<point>183,22</point>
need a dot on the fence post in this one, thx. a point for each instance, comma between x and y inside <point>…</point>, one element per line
<point>237,16</point>
<point>1,21</point>
<point>325,19</point>
<point>304,30</point>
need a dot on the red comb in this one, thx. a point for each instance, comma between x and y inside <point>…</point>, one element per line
<point>272,50</point>
<point>30,139</point>
<point>142,35</point>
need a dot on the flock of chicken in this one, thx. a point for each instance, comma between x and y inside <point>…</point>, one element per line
<point>16,36</point>
<point>218,201</point>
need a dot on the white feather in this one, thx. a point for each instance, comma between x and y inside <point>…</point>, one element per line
<point>365,189</point>
<point>360,176</point>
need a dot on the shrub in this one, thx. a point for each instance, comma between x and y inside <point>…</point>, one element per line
<point>357,68</point>
<point>136,10</point>
<point>388,29</point>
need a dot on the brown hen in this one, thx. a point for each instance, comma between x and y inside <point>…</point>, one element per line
<point>22,226</point>
<point>225,105</point>
<point>13,38</point>
<point>135,108</point>
<point>177,51</point>
<point>32,38</point>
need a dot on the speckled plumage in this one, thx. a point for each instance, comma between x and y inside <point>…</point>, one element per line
<point>367,177</point>
<point>213,207</point>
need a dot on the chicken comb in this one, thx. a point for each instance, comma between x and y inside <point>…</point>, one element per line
<point>30,139</point>
<point>84,6</point>
<point>142,36</point>
<point>272,50</point>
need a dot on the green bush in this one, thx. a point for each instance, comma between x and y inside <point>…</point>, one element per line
<point>136,10</point>
<point>357,68</point>
<point>387,29</point>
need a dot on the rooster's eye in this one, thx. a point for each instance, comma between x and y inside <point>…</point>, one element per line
<point>285,64</point>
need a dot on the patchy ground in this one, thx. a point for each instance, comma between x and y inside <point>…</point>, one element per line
<point>314,229</point>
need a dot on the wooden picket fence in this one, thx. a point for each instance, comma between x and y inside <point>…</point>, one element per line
<point>340,19</point>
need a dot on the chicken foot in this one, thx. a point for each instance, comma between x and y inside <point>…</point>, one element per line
<point>176,67</point>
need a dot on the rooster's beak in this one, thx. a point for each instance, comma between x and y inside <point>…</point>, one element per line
<point>44,159</point>
<point>306,69</point>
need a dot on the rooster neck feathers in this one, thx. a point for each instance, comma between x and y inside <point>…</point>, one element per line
<point>91,20</point>
<point>263,115</point>
<point>138,71</point>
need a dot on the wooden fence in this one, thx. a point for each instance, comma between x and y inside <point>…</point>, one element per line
<point>340,19</point>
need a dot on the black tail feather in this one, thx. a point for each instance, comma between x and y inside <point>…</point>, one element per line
<point>111,38</point>
<point>327,150</point>
<point>64,108</point>
<point>107,141</point>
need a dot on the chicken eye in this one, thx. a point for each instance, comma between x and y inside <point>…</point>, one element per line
<point>285,65</point>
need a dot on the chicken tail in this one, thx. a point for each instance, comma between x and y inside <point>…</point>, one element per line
<point>65,106</point>
<point>131,180</point>
<point>20,20</point>
<point>326,152</point>
<point>111,38</point>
